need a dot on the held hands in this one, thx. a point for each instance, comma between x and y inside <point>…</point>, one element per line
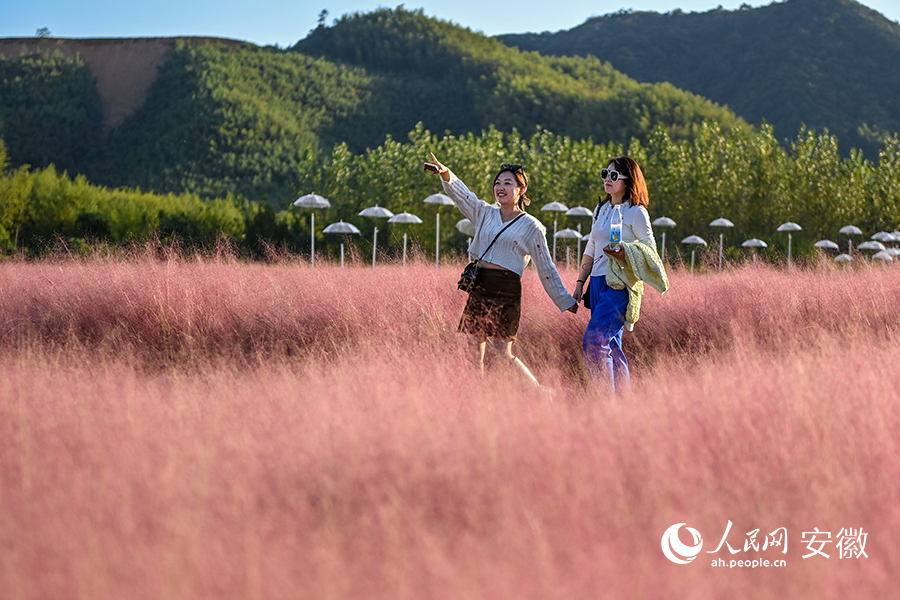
<point>578,293</point>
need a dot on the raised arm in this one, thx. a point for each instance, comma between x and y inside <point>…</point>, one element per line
<point>464,199</point>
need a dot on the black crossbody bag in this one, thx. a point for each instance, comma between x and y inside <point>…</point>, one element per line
<point>467,279</point>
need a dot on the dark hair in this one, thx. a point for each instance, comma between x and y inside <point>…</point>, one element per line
<point>635,185</point>
<point>521,176</point>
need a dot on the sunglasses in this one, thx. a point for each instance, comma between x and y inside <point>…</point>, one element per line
<point>509,167</point>
<point>611,175</point>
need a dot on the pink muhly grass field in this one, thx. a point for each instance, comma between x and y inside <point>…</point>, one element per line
<point>187,429</point>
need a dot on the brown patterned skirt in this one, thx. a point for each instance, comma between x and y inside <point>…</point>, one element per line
<point>494,306</point>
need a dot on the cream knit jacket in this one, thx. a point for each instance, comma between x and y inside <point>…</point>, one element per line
<point>526,239</point>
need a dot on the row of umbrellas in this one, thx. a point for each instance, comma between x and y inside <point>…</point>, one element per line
<point>315,201</point>
<point>876,243</point>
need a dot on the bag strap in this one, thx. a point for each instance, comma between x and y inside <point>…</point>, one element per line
<point>508,225</point>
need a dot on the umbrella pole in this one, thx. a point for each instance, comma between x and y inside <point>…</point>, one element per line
<point>568,254</point>
<point>374,247</point>
<point>554,241</point>
<point>721,243</point>
<point>789,252</point>
<point>342,256</point>
<point>578,253</point>
<point>404,249</point>
<point>692,261</point>
<point>312,240</point>
<point>437,240</point>
<point>662,254</point>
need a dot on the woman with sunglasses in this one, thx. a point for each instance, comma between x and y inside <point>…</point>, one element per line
<point>495,303</point>
<point>626,192</point>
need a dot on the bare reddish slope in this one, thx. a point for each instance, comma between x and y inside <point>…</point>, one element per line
<point>124,68</point>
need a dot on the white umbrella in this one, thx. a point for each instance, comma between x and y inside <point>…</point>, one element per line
<point>893,251</point>
<point>438,200</point>
<point>405,217</point>
<point>789,227</point>
<point>578,211</point>
<point>872,245</point>
<point>568,234</point>
<point>693,240</point>
<point>466,227</point>
<point>344,228</point>
<point>312,201</point>
<point>883,255</point>
<point>375,212</point>
<point>754,243</point>
<point>556,207</point>
<point>881,235</point>
<point>663,222</point>
<point>341,227</point>
<point>843,258</point>
<point>721,222</point>
<point>826,244</point>
<point>850,230</point>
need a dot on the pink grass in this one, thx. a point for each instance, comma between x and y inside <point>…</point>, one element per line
<point>193,429</point>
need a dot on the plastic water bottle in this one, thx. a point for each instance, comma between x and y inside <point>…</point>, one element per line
<point>615,227</point>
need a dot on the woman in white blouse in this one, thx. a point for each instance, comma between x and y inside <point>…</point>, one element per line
<point>494,305</point>
<point>626,193</point>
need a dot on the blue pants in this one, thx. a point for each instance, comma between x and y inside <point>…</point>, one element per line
<point>602,342</point>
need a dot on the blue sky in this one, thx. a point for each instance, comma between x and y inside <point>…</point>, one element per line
<point>283,22</point>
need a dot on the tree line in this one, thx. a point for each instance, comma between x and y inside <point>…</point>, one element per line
<point>747,177</point>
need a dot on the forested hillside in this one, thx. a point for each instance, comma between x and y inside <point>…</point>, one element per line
<point>240,119</point>
<point>450,78</point>
<point>824,63</point>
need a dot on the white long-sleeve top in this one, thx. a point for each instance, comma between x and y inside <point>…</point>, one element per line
<point>635,228</point>
<point>525,239</point>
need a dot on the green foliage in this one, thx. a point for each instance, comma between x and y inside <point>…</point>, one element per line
<point>746,177</point>
<point>50,111</point>
<point>39,207</point>
<point>823,63</point>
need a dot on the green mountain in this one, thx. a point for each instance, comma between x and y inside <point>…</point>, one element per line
<point>450,78</point>
<point>824,63</point>
<point>220,117</point>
